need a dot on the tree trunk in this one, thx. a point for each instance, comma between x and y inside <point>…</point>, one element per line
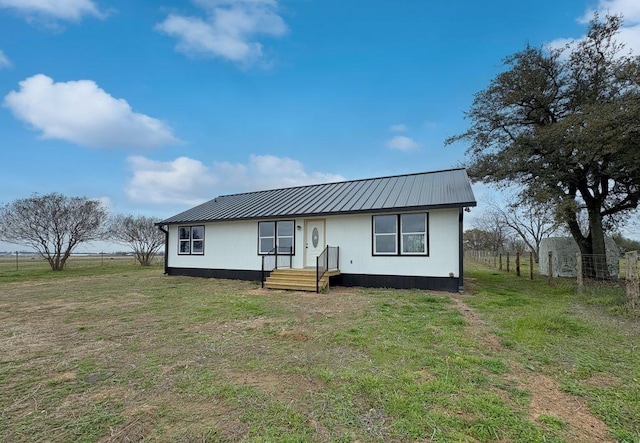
<point>536,252</point>
<point>592,247</point>
<point>596,232</point>
<point>584,244</point>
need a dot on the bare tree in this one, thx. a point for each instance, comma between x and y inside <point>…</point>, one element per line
<point>139,233</point>
<point>53,224</point>
<point>528,220</point>
<point>494,225</point>
<point>478,240</point>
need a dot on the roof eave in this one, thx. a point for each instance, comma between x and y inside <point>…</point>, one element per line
<point>323,214</point>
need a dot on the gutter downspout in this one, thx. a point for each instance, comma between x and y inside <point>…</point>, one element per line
<point>166,248</point>
<point>460,252</point>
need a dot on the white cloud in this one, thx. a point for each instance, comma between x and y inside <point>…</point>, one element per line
<point>189,182</point>
<point>80,112</point>
<point>629,33</point>
<point>268,172</point>
<point>4,61</point>
<point>229,30</point>
<point>402,143</point>
<point>630,36</point>
<point>398,128</point>
<point>69,10</point>
<point>629,9</point>
<point>182,180</point>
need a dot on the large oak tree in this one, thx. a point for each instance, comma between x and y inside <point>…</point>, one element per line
<point>564,125</point>
<point>52,224</point>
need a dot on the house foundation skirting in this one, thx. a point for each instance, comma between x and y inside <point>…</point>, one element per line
<point>450,284</point>
<point>231,274</point>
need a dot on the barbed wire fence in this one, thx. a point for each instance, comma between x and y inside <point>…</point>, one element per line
<point>30,262</point>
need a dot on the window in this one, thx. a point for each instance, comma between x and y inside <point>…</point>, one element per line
<point>403,234</point>
<point>267,237</point>
<point>285,236</point>
<point>191,240</point>
<point>274,233</point>
<point>414,233</point>
<point>385,234</point>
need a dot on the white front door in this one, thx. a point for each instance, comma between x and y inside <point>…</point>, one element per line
<point>314,241</point>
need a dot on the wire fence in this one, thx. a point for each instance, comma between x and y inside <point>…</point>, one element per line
<point>594,274</point>
<point>28,262</point>
<point>520,264</point>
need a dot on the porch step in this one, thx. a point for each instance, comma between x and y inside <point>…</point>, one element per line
<point>297,279</point>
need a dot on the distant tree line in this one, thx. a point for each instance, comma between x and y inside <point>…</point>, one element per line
<point>54,225</point>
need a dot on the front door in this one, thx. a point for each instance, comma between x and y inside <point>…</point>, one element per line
<point>314,241</point>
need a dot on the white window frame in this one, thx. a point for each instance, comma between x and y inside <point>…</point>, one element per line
<point>190,240</point>
<point>261,237</point>
<point>275,238</point>
<point>280,237</point>
<point>377,235</point>
<point>422,233</point>
<point>399,236</point>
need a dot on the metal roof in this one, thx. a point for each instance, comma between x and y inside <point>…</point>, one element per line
<point>421,191</point>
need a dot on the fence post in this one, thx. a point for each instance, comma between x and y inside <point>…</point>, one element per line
<point>517,264</point>
<point>500,268</point>
<point>633,289</point>
<point>507,262</point>
<point>550,266</point>
<point>530,265</point>
<point>579,272</point>
<point>17,261</point>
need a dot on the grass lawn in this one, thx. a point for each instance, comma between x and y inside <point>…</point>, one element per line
<point>122,353</point>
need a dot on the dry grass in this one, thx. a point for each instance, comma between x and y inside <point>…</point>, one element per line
<point>134,355</point>
<point>118,357</point>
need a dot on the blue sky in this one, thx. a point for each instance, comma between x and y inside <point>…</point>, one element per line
<point>156,105</point>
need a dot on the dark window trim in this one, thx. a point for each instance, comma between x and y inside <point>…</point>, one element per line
<point>275,233</point>
<point>399,252</point>
<point>191,239</point>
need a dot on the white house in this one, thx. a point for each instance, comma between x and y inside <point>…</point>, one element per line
<point>402,231</point>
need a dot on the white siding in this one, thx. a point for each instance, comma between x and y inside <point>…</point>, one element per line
<point>353,235</point>
<point>228,245</point>
<point>233,245</point>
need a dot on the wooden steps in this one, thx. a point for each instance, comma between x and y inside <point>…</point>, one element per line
<point>297,279</point>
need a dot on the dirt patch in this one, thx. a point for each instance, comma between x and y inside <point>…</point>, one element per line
<point>476,326</point>
<point>286,389</point>
<point>293,334</point>
<point>546,397</point>
<point>602,381</point>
